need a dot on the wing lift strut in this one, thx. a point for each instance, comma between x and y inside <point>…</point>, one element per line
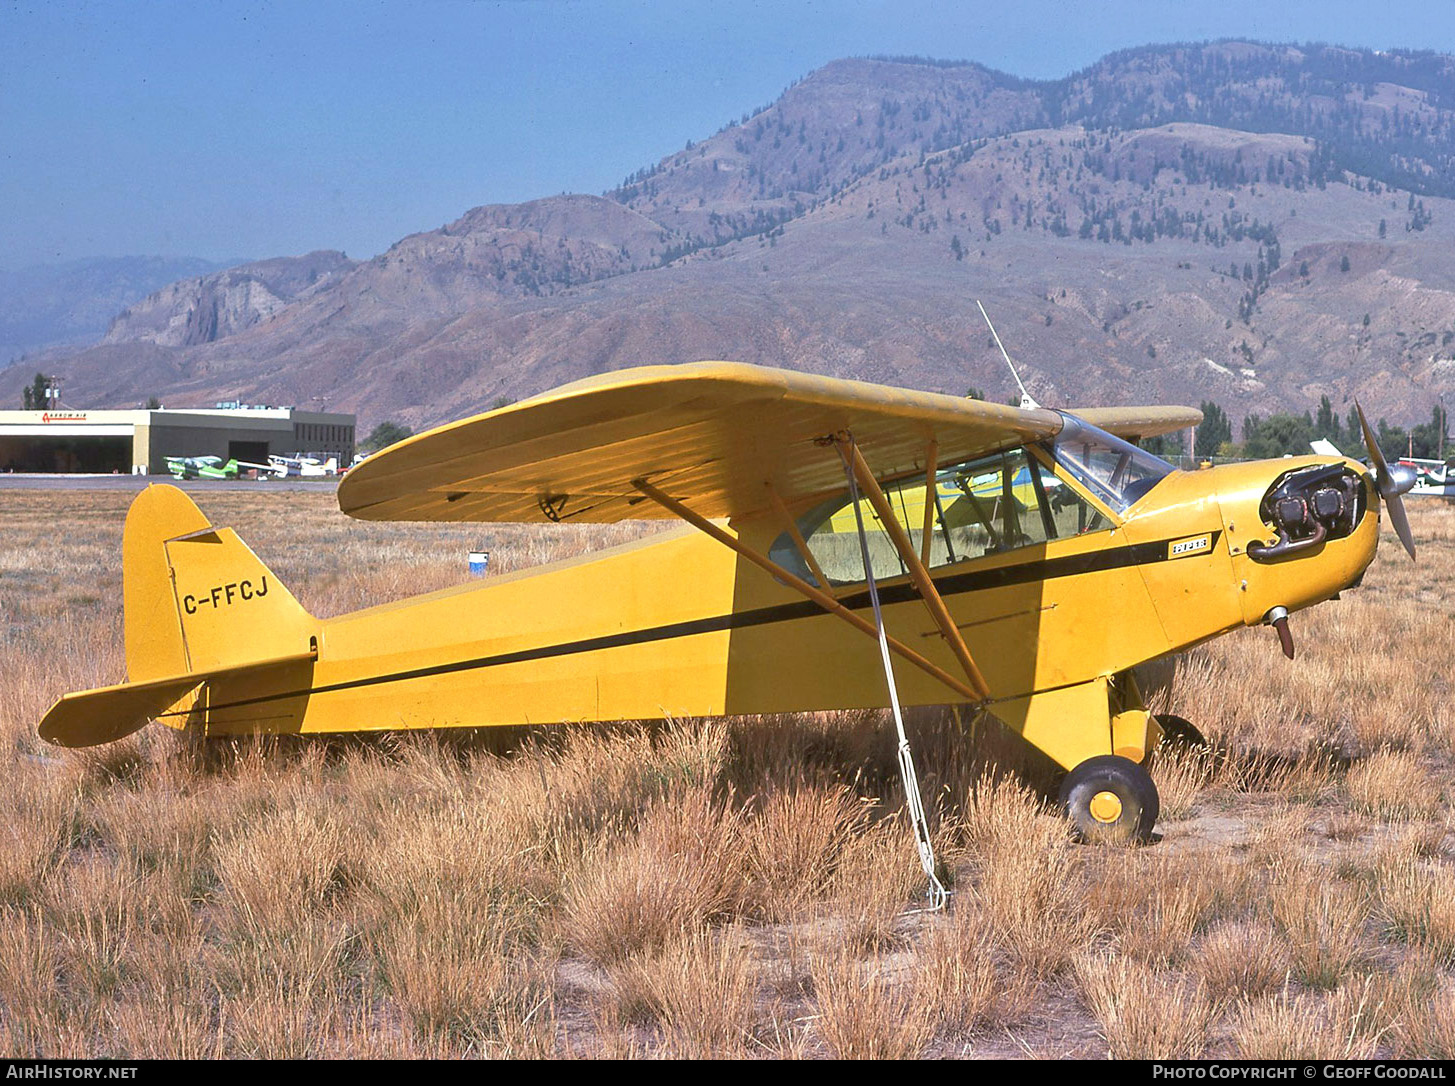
<point>972,687</point>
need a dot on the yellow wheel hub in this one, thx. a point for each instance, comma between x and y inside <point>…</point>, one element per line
<point>1106,807</point>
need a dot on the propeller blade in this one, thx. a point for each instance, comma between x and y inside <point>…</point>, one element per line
<point>1376,454</point>
<point>1395,504</point>
<point>1389,484</point>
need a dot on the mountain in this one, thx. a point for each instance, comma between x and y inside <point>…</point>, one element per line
<point>1260,225</point>
<point>69,305</point>
<point>206,308</point>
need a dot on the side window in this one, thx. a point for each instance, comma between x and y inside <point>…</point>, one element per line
<point>996,506</point>
<point>832,534</point>
<point>1071,514</point>
<point>980,507</point>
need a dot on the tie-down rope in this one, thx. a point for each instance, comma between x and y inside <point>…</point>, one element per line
<point>925,847</point>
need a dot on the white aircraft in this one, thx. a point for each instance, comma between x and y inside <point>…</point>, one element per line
<point>304,466</point>
<point>1435,478</point>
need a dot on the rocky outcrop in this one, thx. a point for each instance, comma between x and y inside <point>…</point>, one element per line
<point>211,307</point>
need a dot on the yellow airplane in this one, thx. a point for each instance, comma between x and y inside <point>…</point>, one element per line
<point>1020,560</point>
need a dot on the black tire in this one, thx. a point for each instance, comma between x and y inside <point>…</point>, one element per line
<point>1110,799</point>
<point>1179,733</point>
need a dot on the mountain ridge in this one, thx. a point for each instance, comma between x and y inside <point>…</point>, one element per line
<point>1128,246</point>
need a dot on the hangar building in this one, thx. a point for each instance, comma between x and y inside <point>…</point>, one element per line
<point>139,442</point>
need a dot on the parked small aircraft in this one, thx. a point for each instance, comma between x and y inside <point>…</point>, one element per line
<point>1020,560</point>
<point>1433,478</point>
<point>304,467</point>
<point>210,467</point>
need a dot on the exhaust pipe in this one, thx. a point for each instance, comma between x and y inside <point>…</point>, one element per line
<point>1278,619</point>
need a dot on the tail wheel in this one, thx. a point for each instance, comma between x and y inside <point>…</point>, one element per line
<point>1110,798</point>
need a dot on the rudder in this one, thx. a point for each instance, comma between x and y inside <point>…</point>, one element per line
<point>197,599</point>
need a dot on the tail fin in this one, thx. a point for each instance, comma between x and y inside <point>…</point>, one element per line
<point>198,604</point>
<point>197,599</point>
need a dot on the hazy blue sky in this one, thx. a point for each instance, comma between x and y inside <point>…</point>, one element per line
<point>258,129</point>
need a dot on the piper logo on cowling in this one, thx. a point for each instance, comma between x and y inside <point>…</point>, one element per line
<point>1195,545</point>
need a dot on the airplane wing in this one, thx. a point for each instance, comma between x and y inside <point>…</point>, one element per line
<point>1136,423</point>
<point>710,433</point>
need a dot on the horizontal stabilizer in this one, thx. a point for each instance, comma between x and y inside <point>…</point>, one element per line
<point>93,717</point>
<point>108,713</point>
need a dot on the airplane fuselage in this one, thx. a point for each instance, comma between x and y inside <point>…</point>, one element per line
<point>677,625</point>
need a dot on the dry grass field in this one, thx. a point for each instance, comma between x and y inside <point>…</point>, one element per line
<point>709,888</point>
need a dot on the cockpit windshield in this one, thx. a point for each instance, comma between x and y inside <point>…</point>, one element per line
<point>1114,470</point>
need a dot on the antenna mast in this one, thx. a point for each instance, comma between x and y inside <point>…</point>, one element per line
<point>1027,400</point>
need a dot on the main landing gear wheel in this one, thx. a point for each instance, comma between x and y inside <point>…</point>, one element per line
<point>1110,798</point>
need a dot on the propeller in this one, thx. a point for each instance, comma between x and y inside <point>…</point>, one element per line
<point>1391,482</point>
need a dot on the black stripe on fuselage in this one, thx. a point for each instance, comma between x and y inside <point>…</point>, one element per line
<point>957,584</point>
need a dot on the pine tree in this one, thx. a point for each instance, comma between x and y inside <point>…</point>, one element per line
<point>33,396</point>
<point>1213,432</point>
<point>1326,422</point>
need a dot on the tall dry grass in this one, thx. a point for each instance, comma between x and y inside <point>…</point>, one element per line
<point>865,1012</point>
<point>701,990</point>
<point>681,871</point>
<point>1342,1025</point>
<point>713,888</point>
<point>1323,922</point>
<point>1145,1014</point>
